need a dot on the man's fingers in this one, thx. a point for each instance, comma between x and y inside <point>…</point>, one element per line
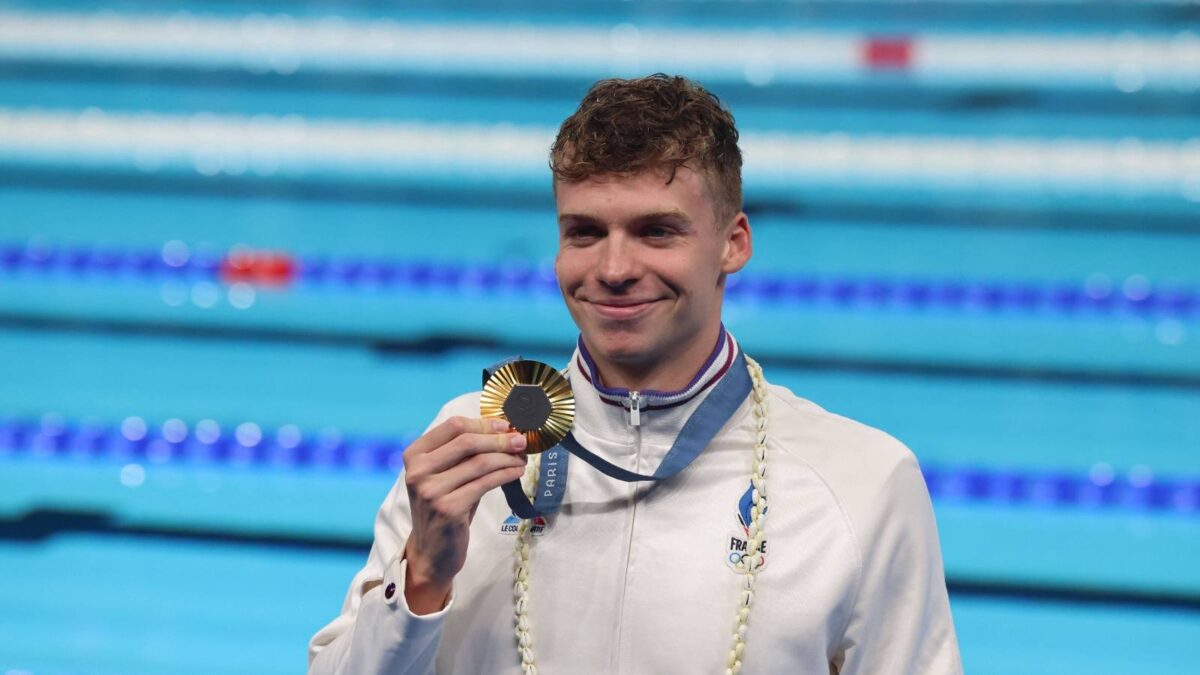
<point>438,485</point>
<point>451,429</point>
<point>464,499</point>
<point>465,446</point>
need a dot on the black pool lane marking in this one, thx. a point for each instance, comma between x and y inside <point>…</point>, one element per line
<point>434,344</point>
<point>41,525</point>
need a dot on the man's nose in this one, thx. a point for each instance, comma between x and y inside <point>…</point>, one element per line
<point>618,267</point>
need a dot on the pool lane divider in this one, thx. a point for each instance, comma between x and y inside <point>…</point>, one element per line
<point>1098,295</point>
<point>785,51</point>
<point>138,445</point>
<point>1143,173</point>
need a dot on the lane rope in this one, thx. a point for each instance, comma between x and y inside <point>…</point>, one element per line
<point>1097,295</point>
<point>287,447</point>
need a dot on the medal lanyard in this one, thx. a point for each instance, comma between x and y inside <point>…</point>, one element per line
<point>713,412</point>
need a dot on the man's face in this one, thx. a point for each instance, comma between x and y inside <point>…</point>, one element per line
<point>641,264</point>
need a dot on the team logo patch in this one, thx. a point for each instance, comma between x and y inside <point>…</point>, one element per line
<point>512,523</point>
<point>738,541</point>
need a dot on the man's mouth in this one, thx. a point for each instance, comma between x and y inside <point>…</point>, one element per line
<point>622,309</point>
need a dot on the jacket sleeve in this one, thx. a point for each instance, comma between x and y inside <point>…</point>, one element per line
<point>901,620</point>
<point>375,633</point>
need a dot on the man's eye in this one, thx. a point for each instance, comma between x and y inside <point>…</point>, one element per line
<point>583,233</point>
<point>656,232</point>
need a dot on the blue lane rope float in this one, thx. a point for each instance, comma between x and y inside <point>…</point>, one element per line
<point>1098,296</point>
<point>206,443</point>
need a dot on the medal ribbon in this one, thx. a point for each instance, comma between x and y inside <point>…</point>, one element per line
<point>708,418</point>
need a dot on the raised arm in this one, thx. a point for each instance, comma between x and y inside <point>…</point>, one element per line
<point>392,616</point>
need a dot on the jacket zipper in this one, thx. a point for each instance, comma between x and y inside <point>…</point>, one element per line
<point>635,420</point>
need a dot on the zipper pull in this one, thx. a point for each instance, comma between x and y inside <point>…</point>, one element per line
<point>635,408</point>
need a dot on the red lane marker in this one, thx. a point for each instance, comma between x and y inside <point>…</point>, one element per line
<point>238,266</point>
<point>887,53</point>
<point>277,270</point>
<point>262,268</point>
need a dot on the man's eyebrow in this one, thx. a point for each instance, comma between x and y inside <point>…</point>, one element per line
<point>577,219</point>
<point>672,215</point>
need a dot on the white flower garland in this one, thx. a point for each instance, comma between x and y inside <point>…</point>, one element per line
<point>749,565</point>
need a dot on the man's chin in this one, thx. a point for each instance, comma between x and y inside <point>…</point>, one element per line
<point>619,347</point>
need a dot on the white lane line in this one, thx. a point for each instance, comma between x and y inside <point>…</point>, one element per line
<point>267,145</point>
<point>285,44</point>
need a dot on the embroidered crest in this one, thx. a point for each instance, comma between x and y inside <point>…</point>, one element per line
<point>512,522</point>
<point>737,544</point>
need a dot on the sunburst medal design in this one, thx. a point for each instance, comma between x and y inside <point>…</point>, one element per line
<point>535,399</point>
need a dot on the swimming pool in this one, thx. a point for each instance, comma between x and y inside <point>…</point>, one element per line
<point>241,268</point>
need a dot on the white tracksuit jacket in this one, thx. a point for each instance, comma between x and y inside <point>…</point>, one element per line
<point>635,578</point>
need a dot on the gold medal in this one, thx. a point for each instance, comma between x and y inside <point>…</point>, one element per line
<point>534,398</point>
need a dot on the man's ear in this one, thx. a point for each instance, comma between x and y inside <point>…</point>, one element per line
<point>739,245</point>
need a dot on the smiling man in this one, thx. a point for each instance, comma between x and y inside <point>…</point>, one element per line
<point>657,551</point>
<point>642,263</point>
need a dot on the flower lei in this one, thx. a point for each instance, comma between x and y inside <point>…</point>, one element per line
<point>749,565</point>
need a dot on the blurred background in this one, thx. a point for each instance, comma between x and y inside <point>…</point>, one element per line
<point>248,248</point>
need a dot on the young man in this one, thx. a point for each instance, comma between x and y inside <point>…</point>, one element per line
<point>684,574</point>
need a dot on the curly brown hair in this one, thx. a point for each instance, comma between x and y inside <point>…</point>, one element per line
<point>662,122</point>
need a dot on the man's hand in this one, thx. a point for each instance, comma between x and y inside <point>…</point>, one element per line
<point>447,471</point>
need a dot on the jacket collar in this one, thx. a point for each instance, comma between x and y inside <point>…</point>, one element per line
<point>605,412</point>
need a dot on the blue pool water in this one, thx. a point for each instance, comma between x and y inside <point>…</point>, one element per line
<point>1019,334</point>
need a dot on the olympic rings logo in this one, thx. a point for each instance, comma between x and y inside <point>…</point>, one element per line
<point>737,559</point>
